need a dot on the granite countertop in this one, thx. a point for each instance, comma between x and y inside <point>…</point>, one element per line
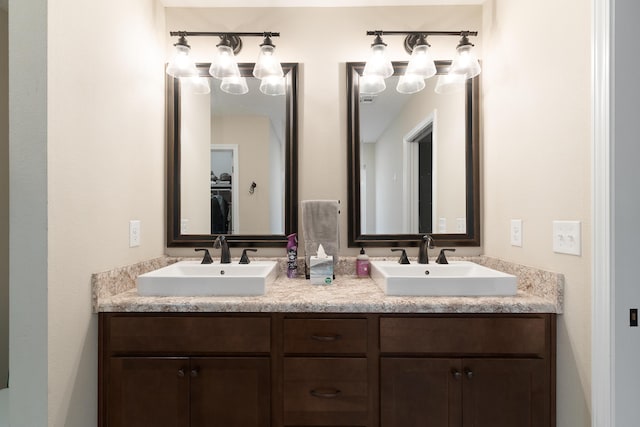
<point>539,291</point>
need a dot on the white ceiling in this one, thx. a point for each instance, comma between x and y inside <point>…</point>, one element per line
<point>312,3</point>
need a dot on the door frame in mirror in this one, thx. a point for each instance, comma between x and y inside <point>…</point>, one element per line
<point>472,166</point>
<point>174,237</point>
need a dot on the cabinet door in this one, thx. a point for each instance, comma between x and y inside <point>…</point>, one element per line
<point>230,392</point>
<point>420,392</point>
<point>148,392</point>
<point>505,393</point>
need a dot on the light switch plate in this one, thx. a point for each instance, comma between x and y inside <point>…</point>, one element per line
<point>442,225</point>
<point>184,226</point>
<point>516,232</point>
<point>134,233</point>
<point>461,225</point>
<point>567,237</point>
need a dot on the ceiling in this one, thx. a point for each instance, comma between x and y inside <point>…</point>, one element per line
<point>312,3</point>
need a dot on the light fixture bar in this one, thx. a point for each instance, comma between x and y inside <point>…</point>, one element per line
<point>425,33</point>
<point>221,34</point>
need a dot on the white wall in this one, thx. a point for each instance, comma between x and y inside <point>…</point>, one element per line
<point>322,54</point>
<point>536,161</point>
<point>626,205</point>
<point>4,197</point>
<point>105,167</point>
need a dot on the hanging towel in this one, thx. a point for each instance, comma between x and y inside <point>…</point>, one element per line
<point>320,225</point>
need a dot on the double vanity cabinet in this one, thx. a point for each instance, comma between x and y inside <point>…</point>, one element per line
<point>326,369</point>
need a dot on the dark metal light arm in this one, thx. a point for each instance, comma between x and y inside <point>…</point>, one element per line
<point>425,33</point>
<point>222,34</point>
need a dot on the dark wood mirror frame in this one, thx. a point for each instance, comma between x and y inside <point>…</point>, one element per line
<point>174,237</point>
<point>472,166</point>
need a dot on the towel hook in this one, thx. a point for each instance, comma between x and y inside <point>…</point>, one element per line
<point>253,186</point>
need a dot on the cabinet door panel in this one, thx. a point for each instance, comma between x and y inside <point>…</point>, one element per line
<point>420,392</point>
<point>230,392</point>
<point>148,392</point>
<point>505,393</point>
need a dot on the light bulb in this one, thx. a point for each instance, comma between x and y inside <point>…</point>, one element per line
<point>273,86</point>
<point>410,83</point>
<point>199,85</point>
<point>225,64</point>
<point>234,85</point>
<point>372,84</point>
<point>465,62</point>
<point>181,64</point>
<point>450,83</point>
<point>267,64</point>
<point>378,64</point>
<point>421,63</point>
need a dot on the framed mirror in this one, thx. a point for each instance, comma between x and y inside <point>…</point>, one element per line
<point>231,161</point>
<point>413,163</point>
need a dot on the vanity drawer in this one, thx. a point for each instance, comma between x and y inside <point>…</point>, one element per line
<point>325,336</point>
<point>325,391</point>
<point>523,336</point>
<point>189,334</point>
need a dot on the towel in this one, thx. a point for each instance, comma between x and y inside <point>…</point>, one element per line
<point>320,225</point>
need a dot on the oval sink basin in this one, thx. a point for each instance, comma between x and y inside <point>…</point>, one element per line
<point>458,278</point>
<point>190,278</point>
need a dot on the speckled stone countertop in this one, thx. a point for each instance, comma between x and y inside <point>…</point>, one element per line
<point>539,291</point>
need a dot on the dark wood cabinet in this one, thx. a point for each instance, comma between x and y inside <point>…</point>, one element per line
<point>312,369</point>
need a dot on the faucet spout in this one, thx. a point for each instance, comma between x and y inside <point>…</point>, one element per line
<point>225,254</point>
<point>423,251</point>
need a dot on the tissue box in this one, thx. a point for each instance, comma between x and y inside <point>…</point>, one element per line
<point>321,270</point>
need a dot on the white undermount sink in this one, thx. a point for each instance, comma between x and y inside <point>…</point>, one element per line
<point>458,278</point>
<point>190,278</point>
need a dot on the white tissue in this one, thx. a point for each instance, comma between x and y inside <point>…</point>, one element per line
<point>321,253</point>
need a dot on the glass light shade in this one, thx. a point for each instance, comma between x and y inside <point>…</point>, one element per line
<point>410,83</point>
<point>273,86</point>
<point>234,85</point>
<point>267,64</point>
<point>421,63</point>
<point>378,64</point>
<point>225,64</point>
<point>199,85</point>
<point>372,84</point>
<point>450,83</point>
<point>465,62</point>
<point>181,64</point>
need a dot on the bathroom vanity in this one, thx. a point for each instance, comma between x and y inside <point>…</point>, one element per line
<point>339,355</point>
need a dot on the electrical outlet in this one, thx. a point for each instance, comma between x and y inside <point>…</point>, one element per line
<point>184,226</point>
<point>134,233</point>
<point>633,317</point>
<point>516,232</point>
<point>442,225</point>
<point>567,238</point>
<point>461,225</point>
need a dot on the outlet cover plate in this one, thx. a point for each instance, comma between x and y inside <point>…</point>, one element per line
<point>134,233</point>
<point>516,232</point>
<point>567,238</point>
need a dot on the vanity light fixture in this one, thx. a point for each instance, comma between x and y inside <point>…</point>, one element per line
<point>421,65</point>
<point>224,66</point>
<point>182,65</point>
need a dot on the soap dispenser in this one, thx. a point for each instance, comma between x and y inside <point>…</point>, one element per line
<point>362,264</point>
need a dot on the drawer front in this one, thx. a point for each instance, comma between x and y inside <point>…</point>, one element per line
<point>189,334</point>
<point>325,391</point>
<point>524,336</point>
<point>325,336</point>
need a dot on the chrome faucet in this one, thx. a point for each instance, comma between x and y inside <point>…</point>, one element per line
<point>423,252</point>
<point>225,255</point>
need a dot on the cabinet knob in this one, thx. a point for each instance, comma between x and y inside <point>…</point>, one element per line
<point>325,393</point>
<point>456,374</point>
<point>325,337</point>
<point>181,373</point>
<point>469,373</point>
<point>195,372</point>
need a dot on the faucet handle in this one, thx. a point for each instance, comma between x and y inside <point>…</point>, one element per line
<point>244,259</point>
<point>207,256</point>
<point>442,259</point>
<point>403,257</point>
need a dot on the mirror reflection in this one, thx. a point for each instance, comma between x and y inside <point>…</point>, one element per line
<point>413,162</point>
<point>233,170</point>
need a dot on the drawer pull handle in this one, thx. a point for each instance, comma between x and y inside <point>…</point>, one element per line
<point>325,393</point>
<point>326,337</point>
<point>181,373</point>
<point>456,374</point>
<point>469,373</point>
